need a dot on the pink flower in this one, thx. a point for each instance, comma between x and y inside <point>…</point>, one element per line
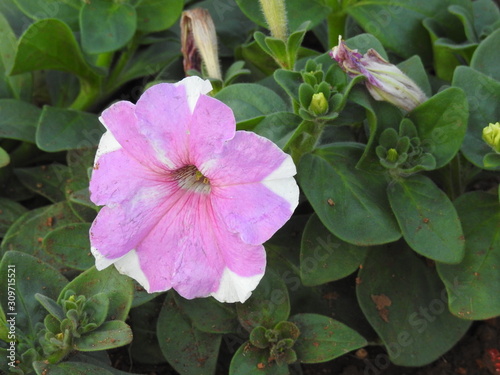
<point>188,201</point>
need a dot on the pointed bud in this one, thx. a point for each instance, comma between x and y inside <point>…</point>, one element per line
<point>275,15</point>
<point>198,38</point>
<point>491,135</point>
<point>319,104</point>
<point>384,80</point>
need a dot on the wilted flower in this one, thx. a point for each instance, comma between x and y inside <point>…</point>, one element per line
<point>384,80</point>
<point>198,38</point>
<point>188,201</point>
<point>491,135</point>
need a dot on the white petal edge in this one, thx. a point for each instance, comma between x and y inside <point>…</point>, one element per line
<point>281,182</point>
<point>127,264</point>
<point>107,144</point>
<point>235,288</point>
<point>195,86</point>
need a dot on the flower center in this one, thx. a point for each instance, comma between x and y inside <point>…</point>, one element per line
<point>190,178</point>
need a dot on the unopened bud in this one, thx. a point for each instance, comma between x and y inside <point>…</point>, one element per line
<point>491,135</point>
<point>392,155</point>
<point>319,104</point>
<point>198,38</point>
<point>384,80</point>
<point>275,15</point>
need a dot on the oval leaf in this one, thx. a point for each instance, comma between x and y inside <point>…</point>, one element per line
<point>268,305</point>
<point>473,284</point>
<point>251,360</point>
<point>323,339</point>
<point>157,15</point>
<point>406,304</point>
<point>106,25</point>
<point>427,218</point>
<point>324,257</point>
<point>441,123</point>
<point>187,349</point>
<point>71,245</point>
<point>339,195</point>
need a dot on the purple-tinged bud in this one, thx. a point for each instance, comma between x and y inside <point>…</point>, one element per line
<point>384,81</point>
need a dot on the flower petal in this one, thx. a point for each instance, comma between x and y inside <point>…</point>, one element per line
<point>122,124</point>
<point>247,158</point>
<point>189,251</point>
<point>211,126</point>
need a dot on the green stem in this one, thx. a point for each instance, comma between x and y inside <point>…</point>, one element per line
<point>453,180</point>
<point>89,92</point>
<point>336,22</point>
<point>305,139</point>
<point>124,58</point>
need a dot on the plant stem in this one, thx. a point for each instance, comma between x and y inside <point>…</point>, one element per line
<point>335,21</point>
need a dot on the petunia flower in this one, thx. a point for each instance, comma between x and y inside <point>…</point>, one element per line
<point>188,200</point>
<point>384,81</point>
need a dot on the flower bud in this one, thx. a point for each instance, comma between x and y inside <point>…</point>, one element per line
<point>491,135</point>
<point>384,80</point>
<point>319,104</point>
<point>198,37</point>
<point>392,155</point>
<point>275,15</point>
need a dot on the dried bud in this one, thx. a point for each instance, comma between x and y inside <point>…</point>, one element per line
<point>384,80</point>
<point>198,38</point>
<point>275,15</point>
<point>491,135</point>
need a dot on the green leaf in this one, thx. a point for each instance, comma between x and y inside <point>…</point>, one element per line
<point>69,368</point>
<point>363,42</point>
<point>4,158</point>
<point>399,26</point>
<point>46,180</point>
<point>472,285</point>
<point>297,11</point>
<point>157,15</point>
<point>62,129</point>
<point>249,100</point>
<point>445,51</point>
<point>358,215</point>
<point>486,55</point>
<point>65,10</point>
<point>290,82</point>
<point>27,276</point>
<point>117,287</point>
<point>268,305</point>
<point>143,320</point>
<point>427,218</point>
<point>9,212</point>
<point>187,349</point>
<point>19,120</point>
<point>279,127</point>
<point>486,17</point>
<point>324,257</point>
<point>18,87</point>
<point>406,304</point>
<point>441,123</point>
<point>209,315</point>
<point>71,245</point>
<point>51,306</point>
<point>50,44</point>
<point>106,25</point>
<point>414,68</point>
<point>254,361</point>
<point>481,92</point>
<point>109,335</point>
<point>323,339</point>
<point>28,231</point>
